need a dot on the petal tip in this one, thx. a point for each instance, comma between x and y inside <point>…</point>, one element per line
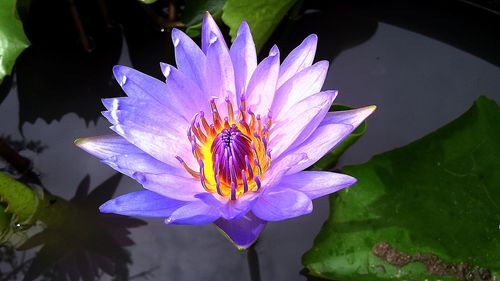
<point>168,220</point>
<point>207,15</point>
<point>368,110</point>
<point>84,143</point>
<point>323,64</point>
<point>165,69</point>
<point>119,71</point>
<point>79,142</point>
<point>176,33</point>
<point>274,51</point>
<point>312,38</point>
<point>244,28</point>
<point>105,208</point>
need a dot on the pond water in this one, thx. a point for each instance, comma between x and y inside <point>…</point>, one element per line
<point>418,75</point>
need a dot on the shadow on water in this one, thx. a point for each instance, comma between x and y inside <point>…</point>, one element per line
<point>62,73</point>
<point>74,240</point>
<point>342,33</point>
<point>77,242</point>
<point>57,74</point>
<point>468,25</point>
<point>148,42</point>
<point>5,87</point>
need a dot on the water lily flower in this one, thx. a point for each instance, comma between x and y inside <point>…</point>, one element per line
<point>225,139</point>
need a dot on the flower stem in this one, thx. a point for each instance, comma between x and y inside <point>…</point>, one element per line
<point>253,263</point>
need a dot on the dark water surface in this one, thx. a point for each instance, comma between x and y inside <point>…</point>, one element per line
<point>419,76</point>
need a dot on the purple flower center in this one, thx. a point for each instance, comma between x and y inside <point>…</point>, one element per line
<point>232,152</point>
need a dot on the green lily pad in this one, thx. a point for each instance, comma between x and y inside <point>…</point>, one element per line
<point>5,224</point>
<point>329,161</point>
<point>12,38</point>
<point>427,211</point>
<point>261,15</point>
<point>147,1</point>
<point>20,200</point>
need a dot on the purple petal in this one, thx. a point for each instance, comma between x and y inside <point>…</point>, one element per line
<point>122,110</point>
<point>244,231</point>
<point>159,144</point>
<point>352,117</point>
<point>139,85</point>
<point>149,90</point>
<point>128,164</point>
<point>185,95</point>
<point>209,27</point>
<point>262,85</point>
<point>230,209</point>
<point>334,128</point>
<point>156,132</point>
<point>220,72</point>
<point>106,146</point>
<point>294,126</point>
<point>316,184</point>
<point>172,186</point>
<point>300,58</point>
<point>302,85</point>
<point>282,204</point>
<point>142,203</point>
<point>189,58</point>
<point>244,58</point>
<point>195,213</point>
<point>279,168</point>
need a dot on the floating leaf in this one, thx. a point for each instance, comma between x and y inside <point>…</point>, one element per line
<point>5,225</point>
<point>262,16</point>
<point>426,211</point>
<point>19,198</point>
<point>12,38</point>
<point>329,161</point>
<point>147,1</point>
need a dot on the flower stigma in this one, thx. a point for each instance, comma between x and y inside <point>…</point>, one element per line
<point>232,153</point>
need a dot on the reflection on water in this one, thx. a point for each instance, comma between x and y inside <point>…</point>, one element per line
<point>418,83</point>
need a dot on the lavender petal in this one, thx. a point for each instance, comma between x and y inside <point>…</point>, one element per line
<point>130,163</point>
<point>183,93</point>
<point>106,146</point>
<point>230,209</point>
<point>299,121</point>
<point>244,231</point>
<point>334,128</point>
<point>279,168</point>
<point>282,204</point>
<point>169,185</point>
<point>298,59</point>
<point>195,213</point>
<point>142,203</point>
<point>146,126</point>
<point>262,86</point>
<point>209,27</point>
<point>220,72</point>
<point>189,58</point>
<point>307,82</point>
<point>244,58</point>
<point>317,183</point>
